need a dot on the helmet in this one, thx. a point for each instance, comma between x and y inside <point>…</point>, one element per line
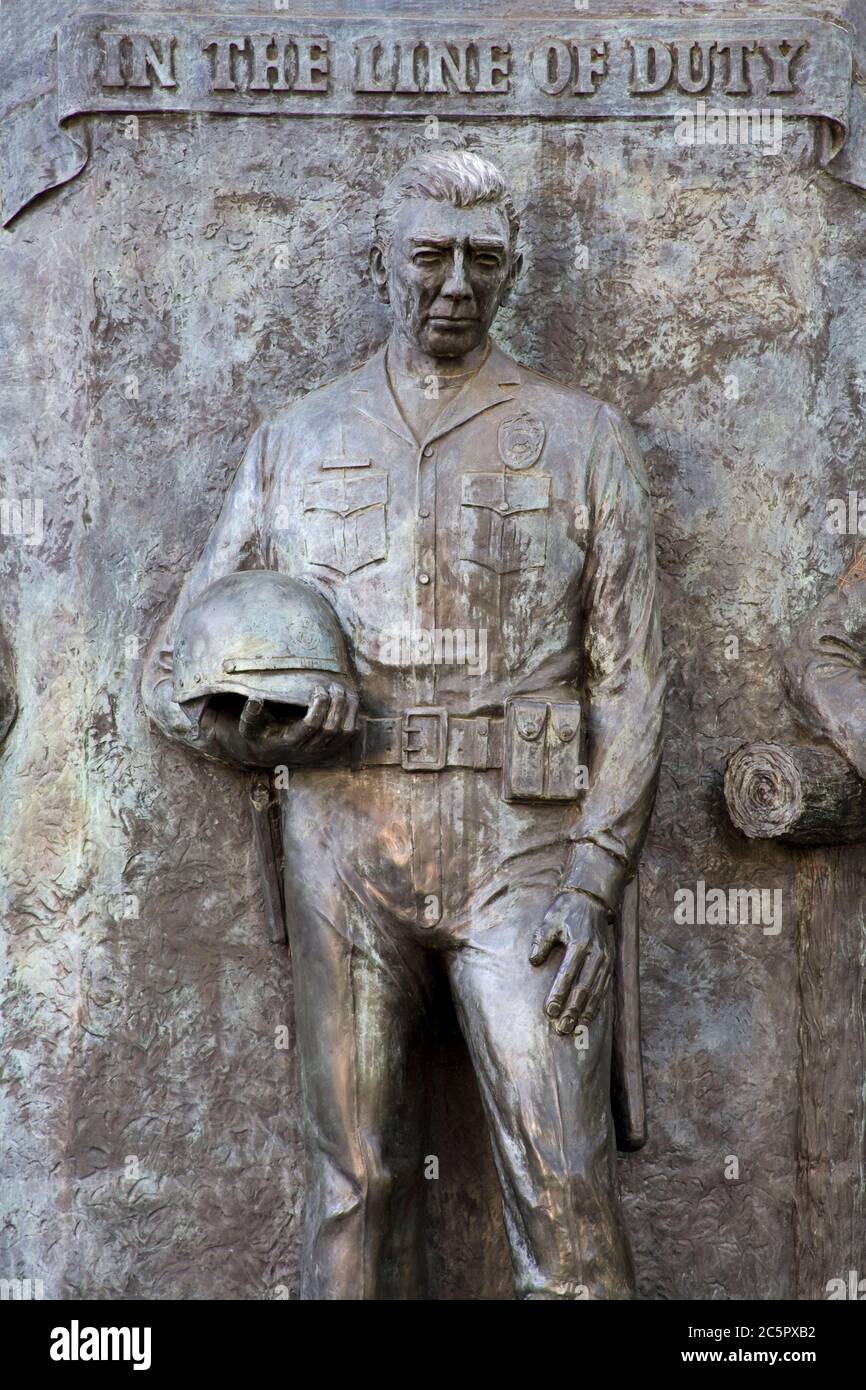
<point>259,634</point>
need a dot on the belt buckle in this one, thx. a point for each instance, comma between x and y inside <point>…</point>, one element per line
<point>439,715</point>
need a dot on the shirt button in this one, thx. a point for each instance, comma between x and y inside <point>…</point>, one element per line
<point>429,451</point>
<point>423,511</point>
<point>423,579</point>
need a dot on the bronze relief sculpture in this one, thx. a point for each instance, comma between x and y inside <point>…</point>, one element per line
<point>429,608</point>
<point>8,701</point>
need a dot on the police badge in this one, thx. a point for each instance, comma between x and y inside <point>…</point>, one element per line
<point>521,440</point>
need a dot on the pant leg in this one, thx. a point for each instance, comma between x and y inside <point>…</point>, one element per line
<point>361,996</point>
<point>548,1108</point>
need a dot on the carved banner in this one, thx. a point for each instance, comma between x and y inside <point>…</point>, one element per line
<point>700,73</point>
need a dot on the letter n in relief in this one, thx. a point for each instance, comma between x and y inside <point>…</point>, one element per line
<point>448,66</point>
<point>134,60</point>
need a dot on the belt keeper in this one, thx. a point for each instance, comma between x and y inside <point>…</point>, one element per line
<point>358,751</point>
<point>482,743</point>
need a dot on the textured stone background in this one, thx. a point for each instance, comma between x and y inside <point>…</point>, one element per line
<point>193,280</point>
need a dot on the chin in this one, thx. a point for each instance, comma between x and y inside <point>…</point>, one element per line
<point>444,342</point>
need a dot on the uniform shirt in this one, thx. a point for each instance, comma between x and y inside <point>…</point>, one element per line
<point>421,401</point>
<point>521,523</point>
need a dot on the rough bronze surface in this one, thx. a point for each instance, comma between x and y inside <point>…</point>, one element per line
<point>202,272</point>
<point>824,662</point>
<point>8,703</point>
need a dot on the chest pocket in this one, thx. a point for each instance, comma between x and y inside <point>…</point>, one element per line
<point>504,521</point>
<point>345,525</point>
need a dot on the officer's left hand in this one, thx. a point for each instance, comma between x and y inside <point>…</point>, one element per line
<point>262,739</point>
<point>583,927</point>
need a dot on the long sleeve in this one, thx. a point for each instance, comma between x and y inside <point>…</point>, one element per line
<point>825,666</point>
<point>235,543</point>
<point>624,674</point>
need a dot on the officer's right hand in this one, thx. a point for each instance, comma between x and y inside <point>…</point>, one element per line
<point>157,692</point>
<point>263,739</point>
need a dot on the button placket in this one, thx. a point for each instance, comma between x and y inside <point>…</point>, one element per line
<point>425,567</point>
<point>424,792</point>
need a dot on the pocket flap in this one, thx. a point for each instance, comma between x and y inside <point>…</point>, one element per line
<point>505,493</point>
<point>346,495</point>
<point>530,717</point>
<point>345,461</point>
<point>565,721</point>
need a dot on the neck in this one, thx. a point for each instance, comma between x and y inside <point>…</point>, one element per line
<point>406,357</point>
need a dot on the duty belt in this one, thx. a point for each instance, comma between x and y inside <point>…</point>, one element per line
<point>427,739</point>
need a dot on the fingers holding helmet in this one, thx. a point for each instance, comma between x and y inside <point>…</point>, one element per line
<point>271,735</point>
<point>342,709</point>
<point>330,720</point>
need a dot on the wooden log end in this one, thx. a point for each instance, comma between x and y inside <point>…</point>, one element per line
<point>804,795</point>
<point>763,790</point>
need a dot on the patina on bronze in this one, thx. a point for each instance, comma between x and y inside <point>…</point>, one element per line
<point>814,793</point>
<point>573,67</point>
<point>8,702</point>
<point>824,665</point>
<point>484,535</point>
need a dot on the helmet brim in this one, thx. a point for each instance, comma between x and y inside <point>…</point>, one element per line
<point>278,687</point>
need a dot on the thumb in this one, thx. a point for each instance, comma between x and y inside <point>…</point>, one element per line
<point>544,939</point>
<point>252,718</point>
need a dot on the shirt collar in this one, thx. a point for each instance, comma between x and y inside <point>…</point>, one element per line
<point>497,380</point>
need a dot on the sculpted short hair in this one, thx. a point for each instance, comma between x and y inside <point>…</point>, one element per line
<point>450,176</point>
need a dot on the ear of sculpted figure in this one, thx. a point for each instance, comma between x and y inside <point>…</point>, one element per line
<point>469,790</point>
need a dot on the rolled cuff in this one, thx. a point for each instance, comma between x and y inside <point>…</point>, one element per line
<point>598,872</point>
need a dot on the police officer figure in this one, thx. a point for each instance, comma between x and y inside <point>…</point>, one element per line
<point>478,817</point>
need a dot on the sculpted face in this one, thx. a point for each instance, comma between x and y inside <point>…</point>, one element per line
<point>446,273</point>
